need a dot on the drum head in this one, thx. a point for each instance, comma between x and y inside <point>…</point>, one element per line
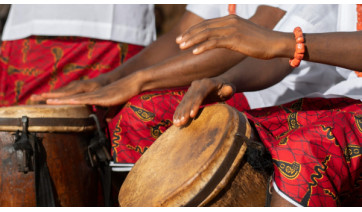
<point>47,118</point>
<point>187,166</point>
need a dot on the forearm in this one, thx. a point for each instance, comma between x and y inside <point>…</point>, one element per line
<point>145,58</point>
<point>161,49</point>
<point>182,69</point>
<point>251,74</point>
<point>186,67</point>
<point>254,74</point>
<point>342,49</point>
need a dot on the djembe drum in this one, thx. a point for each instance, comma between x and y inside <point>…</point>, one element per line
<point>43,152</point>
<point>201,164</point>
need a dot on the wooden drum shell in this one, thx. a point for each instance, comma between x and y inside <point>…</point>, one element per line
<point>198,165</point>
<point>75,183</point>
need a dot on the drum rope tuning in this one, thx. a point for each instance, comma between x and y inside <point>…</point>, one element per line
<point>44,148</point>
<point>100,158</point>
<point>23,148</point>
<point>31,156</point>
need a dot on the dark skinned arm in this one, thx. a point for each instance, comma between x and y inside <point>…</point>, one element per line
<point>342,49</point>
<point>179,70</point>
<point>163,48</point>
<point>250,75</point>
<point>264,43</point>
<point>183,69</point>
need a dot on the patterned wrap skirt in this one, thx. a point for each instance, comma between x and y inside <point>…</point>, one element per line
<point>315,144</point>
<point>316,148</point>
<point>145,117</point>
<point>40,64</point>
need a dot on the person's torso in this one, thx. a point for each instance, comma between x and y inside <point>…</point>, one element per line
<point>123,23</point>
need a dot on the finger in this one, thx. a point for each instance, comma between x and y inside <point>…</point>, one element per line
<point>200,97</point>
<point>184,114</point>
<point>191,103</point>
<point>87,98</point>
<point>182,111</point>
<point>36,98</point>
<point>208,45</point>
<point>195,102</point>
<point>193,30</point>
<point>60,93</point>
<point>211,23</point>
<point>176,117</point>
<point>95,98</point>
<point>207,34</point>
<point>226,92</point>
<point>179,112</point>
<point>195,109</point>
<point>60,102</point>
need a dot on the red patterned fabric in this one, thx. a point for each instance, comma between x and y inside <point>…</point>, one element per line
<point>316,146</point>
<point>40,64</point>
<point>145,117</point>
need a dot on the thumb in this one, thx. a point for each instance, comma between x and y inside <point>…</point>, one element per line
<point>226,91</point>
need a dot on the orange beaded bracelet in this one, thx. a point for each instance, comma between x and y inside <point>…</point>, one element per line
<point>299,48</point>
<point>232,9</point>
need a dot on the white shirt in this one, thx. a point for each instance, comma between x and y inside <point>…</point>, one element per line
<point>352,86</point>
<point>133,23</point>
<point>309,77</point>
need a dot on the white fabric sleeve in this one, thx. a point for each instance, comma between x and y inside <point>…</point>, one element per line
<point>311,18</point>
<point>205,11</point>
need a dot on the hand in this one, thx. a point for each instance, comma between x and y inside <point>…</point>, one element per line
<point>116,93</point>
<point>75,87</point>
<point>201,91</point>
<point>234,33</point>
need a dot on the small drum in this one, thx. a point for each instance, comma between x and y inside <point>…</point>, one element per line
<point>198,165</point>
<point>63,133</point>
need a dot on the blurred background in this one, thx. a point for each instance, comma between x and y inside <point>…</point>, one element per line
<point>4,11</point>
<point>166,16</point>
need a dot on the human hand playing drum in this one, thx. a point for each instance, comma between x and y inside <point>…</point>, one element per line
<point>206,90</point>
<point>116,93</point>
<point>249,75</point>
<point>245,37</point>
<point>75,87</point>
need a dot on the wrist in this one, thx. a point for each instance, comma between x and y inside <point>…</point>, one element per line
<point>102,80</point>
<point>142,80</point>
<point>284,45</point>
<point>111,76</point>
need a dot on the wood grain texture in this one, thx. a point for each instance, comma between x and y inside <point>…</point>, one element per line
<point>75,182</point>
<point>197,165</point>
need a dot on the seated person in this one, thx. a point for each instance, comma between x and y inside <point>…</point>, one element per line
<point>315,143</point>
<point>144,117</point>
<point>48,46</point>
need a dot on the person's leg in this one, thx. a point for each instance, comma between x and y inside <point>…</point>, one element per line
<point>140,122</point>
<point>263,164</point>
<point>145,117</point>
<point>278,201</point>
<point>314,145</point>
<point>39,64</point>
